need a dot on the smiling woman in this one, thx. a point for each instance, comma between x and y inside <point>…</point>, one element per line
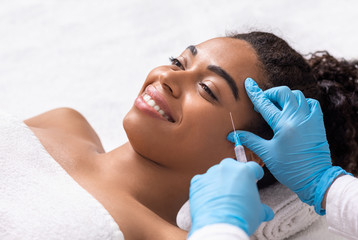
<point>178,125</point>
<point>196,92</point>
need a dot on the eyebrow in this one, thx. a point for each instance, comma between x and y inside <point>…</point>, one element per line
<point>221,72</point>
<point>193,50</point>
<point>229,80</point>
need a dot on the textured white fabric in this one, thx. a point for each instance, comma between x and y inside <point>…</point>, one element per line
<point>291,215</point>
<point>38,199</point>
<point>317,231</point>
<point>183,217</point>
<point>342,207</point>
<point>293,225</point>
<point>219,231</point>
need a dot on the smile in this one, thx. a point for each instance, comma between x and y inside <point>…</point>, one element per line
<point>154,105</point>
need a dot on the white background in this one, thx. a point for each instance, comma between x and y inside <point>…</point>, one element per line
<point>93,55</point>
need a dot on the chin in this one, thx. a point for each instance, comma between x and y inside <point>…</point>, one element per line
<point>145,138</point>
<point>130,125</point>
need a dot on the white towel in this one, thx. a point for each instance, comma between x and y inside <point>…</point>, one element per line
<point>291,215</point>
<point>38,199</point>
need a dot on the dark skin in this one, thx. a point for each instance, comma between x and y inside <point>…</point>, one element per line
<point>144,182</point>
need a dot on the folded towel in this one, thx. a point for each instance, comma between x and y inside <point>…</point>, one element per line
<point>38,199</point>
<point>291,215</point>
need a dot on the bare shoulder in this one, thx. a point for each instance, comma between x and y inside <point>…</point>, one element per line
<point>65,120</point>
<point>55,118</point>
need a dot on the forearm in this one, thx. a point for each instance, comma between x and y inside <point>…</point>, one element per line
<point>323,204</point>
<point>342,207</point>
<point>219,231</point>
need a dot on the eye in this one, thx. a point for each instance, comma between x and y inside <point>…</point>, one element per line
<point>176,62</point>
<point>208,90</point>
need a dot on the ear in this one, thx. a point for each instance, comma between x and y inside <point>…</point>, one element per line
<point>251,156</point>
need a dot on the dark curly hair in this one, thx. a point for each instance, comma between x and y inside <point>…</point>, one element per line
<point>333,82</point>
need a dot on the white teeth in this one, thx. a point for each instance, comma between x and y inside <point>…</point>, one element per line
<point>146,97</point>
<point>152,103</point>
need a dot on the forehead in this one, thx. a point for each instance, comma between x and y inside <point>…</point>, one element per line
<point>235,56</point>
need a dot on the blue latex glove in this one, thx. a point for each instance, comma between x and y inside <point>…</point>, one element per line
<point>227,193</point>
<point>298,155</point>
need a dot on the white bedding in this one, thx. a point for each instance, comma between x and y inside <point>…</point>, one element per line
<point>38,199</point>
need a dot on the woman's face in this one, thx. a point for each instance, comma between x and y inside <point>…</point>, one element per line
<point>180,118</point>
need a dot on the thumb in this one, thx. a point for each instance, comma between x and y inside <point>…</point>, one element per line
<point>249,140</point>
<point>256,169</point>
<point>268,216</point>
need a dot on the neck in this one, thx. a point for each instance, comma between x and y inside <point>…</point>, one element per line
<point>160,189</point>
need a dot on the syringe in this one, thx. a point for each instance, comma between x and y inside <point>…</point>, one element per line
<point>239,149</point>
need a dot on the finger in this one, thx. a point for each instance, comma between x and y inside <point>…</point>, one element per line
<point>262,104</point>
<point>228,164</point>
<point>211,169</point>
<point>314,106</point>
<point>195,179</point>
<point>268,216</point>
<point>251,141</point>
<point>228,161</point>
<point>302,101</point>
<point>258,171</point>
<point>231,137</point>
<point>282,96</point>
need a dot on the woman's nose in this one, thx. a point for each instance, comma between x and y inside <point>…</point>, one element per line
<point>172,82</point>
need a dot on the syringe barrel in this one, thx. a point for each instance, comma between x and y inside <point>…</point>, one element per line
<point>240,154</point>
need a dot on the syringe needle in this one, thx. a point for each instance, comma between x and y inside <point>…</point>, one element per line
<point>233,126</point>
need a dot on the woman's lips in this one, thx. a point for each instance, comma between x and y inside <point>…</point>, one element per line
<point>154,104</point>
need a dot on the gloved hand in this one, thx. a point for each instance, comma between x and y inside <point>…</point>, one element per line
<point>227,193</point>
<point>298,155</point>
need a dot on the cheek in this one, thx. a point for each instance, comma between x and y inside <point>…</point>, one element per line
<point>202,136</point>
<point>202,118</point>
